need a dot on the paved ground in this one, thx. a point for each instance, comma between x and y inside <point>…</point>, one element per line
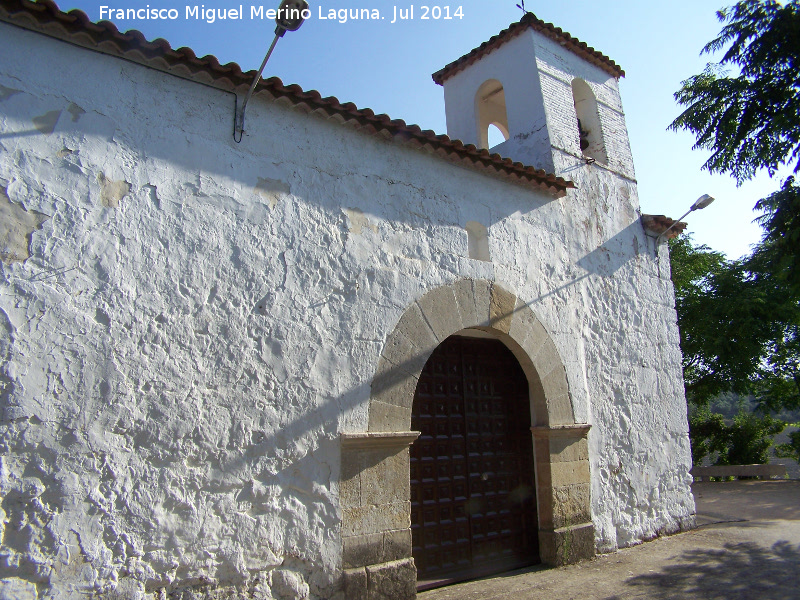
<point>747,546</point>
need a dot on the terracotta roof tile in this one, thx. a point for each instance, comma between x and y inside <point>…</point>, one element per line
<point>658,224</point>
<point>75,27</point>
<point>530,21</point>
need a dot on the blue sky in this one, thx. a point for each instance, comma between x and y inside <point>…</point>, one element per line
<point>387,67</point>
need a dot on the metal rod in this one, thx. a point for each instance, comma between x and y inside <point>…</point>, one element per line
<point>239,121</point>
<point>663,233</point>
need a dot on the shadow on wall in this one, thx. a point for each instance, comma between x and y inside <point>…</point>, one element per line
<point>615,252</point>
<point>738,572</point>
<point>606,259</point>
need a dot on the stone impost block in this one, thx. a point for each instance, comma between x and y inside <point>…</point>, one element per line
<point>501,308</point>
<point>482,293</point>
<point>567,545</point>
<point>395,580</point>
<point>355,584</point>
<point>441,311</point>
<point>375,518</point>
<point>572,431</point>
<point>465,299</point>
<point>385,441</point>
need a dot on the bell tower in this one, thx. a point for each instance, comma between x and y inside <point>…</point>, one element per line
<point>553,98</point>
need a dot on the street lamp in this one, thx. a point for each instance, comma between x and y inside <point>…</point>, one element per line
<point>700,203</point>
<point>290,17</point>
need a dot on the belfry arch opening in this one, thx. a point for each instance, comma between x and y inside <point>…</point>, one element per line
<point>490,108</point>
<point>590,131</point>
<point>473,483</point>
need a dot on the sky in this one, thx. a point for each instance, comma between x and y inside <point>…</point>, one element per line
<point>387,67</point>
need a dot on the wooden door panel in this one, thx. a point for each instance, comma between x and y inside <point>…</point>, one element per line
<point>473,507</point>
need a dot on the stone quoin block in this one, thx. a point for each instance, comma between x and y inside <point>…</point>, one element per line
<point>376,518</point>
<point>564,449</point>
<point>384,478</point>
<point>376,548</point>
<point>572,505</point>
<point>397,544</point>
<point>362,550</point>
<point>567,545</point>
<point>355,584</point>
<point>395,580</point>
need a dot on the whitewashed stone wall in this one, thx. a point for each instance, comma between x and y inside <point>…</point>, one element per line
<point>640,449</point>
<point>612,297</point>
<point>198,322</point>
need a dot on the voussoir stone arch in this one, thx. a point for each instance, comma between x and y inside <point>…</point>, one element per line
<point>444,311</point>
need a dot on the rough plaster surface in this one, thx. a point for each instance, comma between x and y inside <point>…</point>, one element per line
<point>198,321</point>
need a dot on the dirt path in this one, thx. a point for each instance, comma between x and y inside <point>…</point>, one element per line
<point>746,547</point>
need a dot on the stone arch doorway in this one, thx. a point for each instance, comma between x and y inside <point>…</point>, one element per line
<point>375,491</point>
<point>473,503</point>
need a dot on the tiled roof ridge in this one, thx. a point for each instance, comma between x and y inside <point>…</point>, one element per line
<point>75,27</point>
<point>531,21</point>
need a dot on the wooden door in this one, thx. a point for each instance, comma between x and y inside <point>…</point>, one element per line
<point>473,501</point>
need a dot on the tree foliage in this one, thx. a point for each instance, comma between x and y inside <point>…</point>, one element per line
<point>740,329</point>
<point>745,441</point>
<point>745,108</point>
<point>790,449</point>
<point>740,320</point>
<point>779,250</point>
